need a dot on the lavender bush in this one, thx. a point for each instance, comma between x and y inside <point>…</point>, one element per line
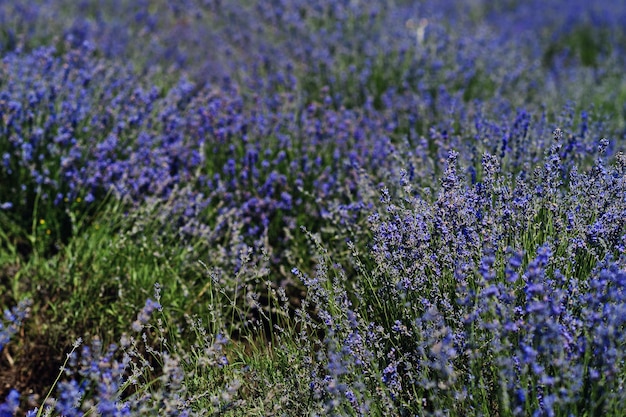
<point>489,289</point>
<point>352,208</point>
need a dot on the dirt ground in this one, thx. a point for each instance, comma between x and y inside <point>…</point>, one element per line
<point>31,370</point>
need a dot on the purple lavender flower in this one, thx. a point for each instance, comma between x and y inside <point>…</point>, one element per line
<point>11,404</point>
<point>13,320</point>
<point>144,315</point>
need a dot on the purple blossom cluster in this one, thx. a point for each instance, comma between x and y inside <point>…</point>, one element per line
<point>502,294</point>
<point>12,321</point>
<point>249,41</point>
<point>132,377</point>
<point>11,324</point>
<point>140,148</point>
<point>81,132</point>
<point>356,49</point>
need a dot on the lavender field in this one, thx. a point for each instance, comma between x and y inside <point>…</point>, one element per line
<point>312,208</point>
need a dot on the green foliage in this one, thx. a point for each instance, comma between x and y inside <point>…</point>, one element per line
<point>585,43</point>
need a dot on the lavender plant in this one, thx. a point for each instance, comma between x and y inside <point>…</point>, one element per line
<point>144,373</point>
<point>479,299</point>
<point>13,321</point>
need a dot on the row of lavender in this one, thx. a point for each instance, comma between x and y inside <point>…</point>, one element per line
<point>79,128</point>
<point>496,253</point>
<point>507,295</point>
<point>355,48</point>
<point>503,295</point>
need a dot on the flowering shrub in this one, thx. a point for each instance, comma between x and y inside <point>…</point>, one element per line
<point>488,289</point>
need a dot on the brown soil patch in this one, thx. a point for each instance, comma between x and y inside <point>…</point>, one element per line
<point>30,369</point>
